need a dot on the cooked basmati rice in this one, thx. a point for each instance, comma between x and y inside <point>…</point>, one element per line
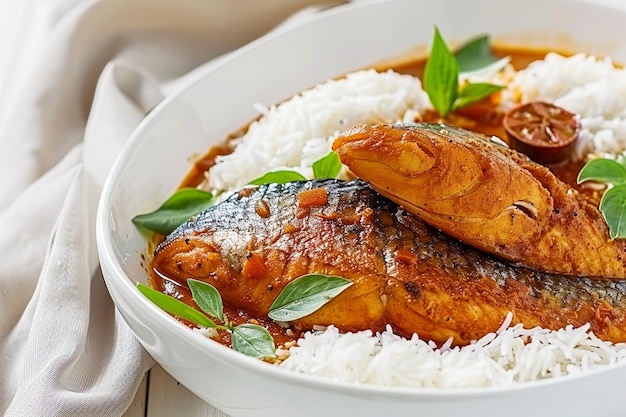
<point>293,134</point>
<point>296,133</point>
<point>510,355</point>
<point>585,85</point>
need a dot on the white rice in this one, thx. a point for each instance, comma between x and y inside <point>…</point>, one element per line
<point>297,132</point>
<point>509,356</point>
<point>585,85</point>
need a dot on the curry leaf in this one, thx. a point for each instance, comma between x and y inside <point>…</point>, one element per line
<point>613,202</point>
<point>207,297</point>
<point>250,339</point>
<point>253,340</point>
<point>441,76</point>
<point>613,208</point>
<point>474,92</point>
<point>475,54</point>
<point>176,307</point>
<point>305,295</point>
<point>279,177</point>
<point>603,170</point>
<point>180,207</point>
<point>327,166</point>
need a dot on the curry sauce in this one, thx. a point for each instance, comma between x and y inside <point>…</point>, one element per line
<point>484,117</point>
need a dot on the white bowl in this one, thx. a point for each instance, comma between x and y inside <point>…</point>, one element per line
<point>267,71</point>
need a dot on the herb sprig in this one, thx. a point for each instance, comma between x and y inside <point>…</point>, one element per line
<point>187,202</point>
<point>301,297</point>
<point>327,166</point>
<point>475,54</point>
<point>250,339</point>
<point>305,295</point>
<point>613,201</point>
<point>441,75</point>
<point>180,207</point>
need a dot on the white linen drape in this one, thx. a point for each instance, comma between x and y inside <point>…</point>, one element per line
<point>90,71</point>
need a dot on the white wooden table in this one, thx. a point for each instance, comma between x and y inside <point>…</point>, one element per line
<point>160,395</point>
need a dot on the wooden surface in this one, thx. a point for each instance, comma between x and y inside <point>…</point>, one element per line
<point>160,395</point>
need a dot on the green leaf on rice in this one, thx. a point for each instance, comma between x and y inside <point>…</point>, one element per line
<point>207,297</point>
<point>278,177</point>
<point>180,207</point>
<point>327,166</point>
<point>305,295</point>
<point>253,340</point>
<point>603,170</point>
<point>613,208</point>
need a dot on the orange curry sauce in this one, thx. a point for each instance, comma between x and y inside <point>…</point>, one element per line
<point>481,117</point>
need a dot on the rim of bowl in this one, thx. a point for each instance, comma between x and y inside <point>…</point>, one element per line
<point>106,251</point>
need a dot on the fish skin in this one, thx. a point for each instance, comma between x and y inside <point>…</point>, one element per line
<point>405,273</point>
<point>486,195</point>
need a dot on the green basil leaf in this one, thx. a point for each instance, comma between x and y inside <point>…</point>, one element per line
<point>327,166</point>
<point>184,204</point>
<point>253,340</point>
<point>306,294</point>
<point>613,208</point>
<point>474,92</point>
<point>279,177</point>
<point>475,54</point>
<point>207,297</point>
<point>176,307</point>
<point>441,76</point>
<point>603,170</point>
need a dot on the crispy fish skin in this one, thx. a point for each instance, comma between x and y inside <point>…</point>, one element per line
<point>486,195</point>
<point>405,273</point>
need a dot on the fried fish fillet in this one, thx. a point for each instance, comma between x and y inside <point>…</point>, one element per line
<point>486,195</point>
<point>404,272</point>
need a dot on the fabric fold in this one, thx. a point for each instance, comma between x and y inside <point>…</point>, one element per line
<point>84,83</point>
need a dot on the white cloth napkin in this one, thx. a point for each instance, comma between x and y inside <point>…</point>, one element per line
<point>88,73</point>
